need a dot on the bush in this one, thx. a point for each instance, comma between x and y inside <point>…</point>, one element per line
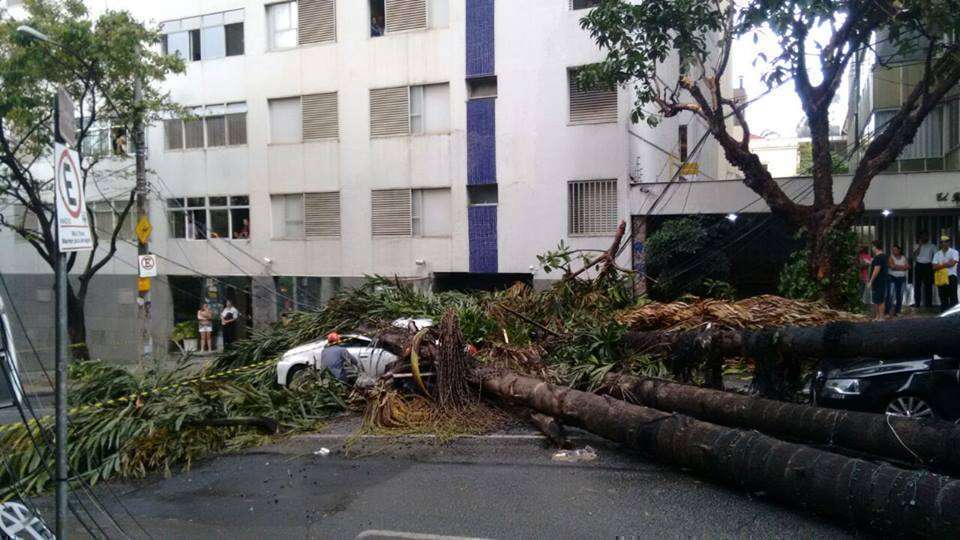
<point>683,257</point>
<point>797,279</point>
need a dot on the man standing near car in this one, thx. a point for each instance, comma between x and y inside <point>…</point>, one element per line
<point>338,359</point>
<point>878,279</point>
<point>946,259</point>
<point>923,271</point>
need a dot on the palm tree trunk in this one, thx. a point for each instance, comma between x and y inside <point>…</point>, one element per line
<point>935,445</point>
<point>877,496</point>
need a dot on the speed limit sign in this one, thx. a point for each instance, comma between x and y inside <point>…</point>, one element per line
<point>148,265</point>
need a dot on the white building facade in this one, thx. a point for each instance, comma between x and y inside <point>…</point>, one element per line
<point>429,140</point>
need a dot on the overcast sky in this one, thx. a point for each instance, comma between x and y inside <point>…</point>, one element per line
<point>780,110</point>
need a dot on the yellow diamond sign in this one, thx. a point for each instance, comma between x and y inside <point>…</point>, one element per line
<point>143,229</point>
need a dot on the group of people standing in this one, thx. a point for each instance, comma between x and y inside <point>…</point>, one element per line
<point>884,276</point>
<point>229,317</point>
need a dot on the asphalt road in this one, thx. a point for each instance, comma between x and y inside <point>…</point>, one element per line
<point>501,486</point>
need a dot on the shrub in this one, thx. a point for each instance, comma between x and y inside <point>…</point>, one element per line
<point>797,279</point>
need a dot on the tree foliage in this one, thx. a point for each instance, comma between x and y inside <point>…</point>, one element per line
<point>641,38</point>
<point>682,257</point>
<point>97,63</point>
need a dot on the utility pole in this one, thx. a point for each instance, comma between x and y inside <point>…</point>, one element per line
<point>145,340</point>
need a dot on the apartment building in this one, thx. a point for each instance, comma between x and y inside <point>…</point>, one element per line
<point>438,141</point>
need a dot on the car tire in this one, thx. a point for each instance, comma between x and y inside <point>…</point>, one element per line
<point>296,377</point>
<point>912,407</point>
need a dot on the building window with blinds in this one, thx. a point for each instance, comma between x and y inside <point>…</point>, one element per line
<point>406,110</point>
<point>592,207</point>
<point>590,105</point>
<point>210,126</point>
<point>205,37</point>
<point>304,118</point>
<point>392,16</point>
<point>106,217</point>
<point>925,153</point>
<point>304,22</point>
<point>411,212</point>
<point>306,215</point>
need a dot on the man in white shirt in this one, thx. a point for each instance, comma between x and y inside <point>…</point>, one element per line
<point>923,271</point>
<point>946,258</point>
<point>228,322</point>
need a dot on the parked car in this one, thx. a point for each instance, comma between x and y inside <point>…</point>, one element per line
<point>373,360</point>
<point>923,387</point>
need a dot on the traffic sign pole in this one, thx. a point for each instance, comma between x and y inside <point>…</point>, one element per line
<point>62,106</point>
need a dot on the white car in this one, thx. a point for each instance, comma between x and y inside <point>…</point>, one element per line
<point>373,360</point>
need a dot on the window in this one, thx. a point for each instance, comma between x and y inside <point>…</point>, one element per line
<point>583,4</point>
<point>287,212</point>
<point>105,139</point>
<point>592,207</point>
<point>404,15</point>
<point>285,120</point>
<point>590,106</point>
<point>482,194</point>
<point>482,87</point>
<point>200,218</point>
<point>405,110</point>
<point>320,118</point>
<point>106,215</point>
<point>211,126</point>
<point>204,38</point>
<point>317,21</point>
<point>406,212</point>
<point>925,153</point>
<point>307,215</point>
<point>282,21</point>
<point>377,18</point>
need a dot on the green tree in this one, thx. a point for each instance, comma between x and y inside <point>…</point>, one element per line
<point>97,62</point>
<point>640,36</point>
<point>682,257</point>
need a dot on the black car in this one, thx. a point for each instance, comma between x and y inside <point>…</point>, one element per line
<point>916,388</point>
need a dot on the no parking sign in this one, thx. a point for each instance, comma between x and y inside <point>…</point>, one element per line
<point>73,228</point>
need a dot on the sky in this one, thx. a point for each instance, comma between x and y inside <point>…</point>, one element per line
<point>779,111</point>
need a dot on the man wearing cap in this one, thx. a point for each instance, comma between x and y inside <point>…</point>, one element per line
<point>338,360</point>
<point>946,258</point>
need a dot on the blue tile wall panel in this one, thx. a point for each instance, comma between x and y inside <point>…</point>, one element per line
<point>483,238</point>
<point>481,141</point>
<point>480,47</point>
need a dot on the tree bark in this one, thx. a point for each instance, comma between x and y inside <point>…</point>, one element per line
<point>876,496</point>
<point>77,324</point>
<point>900,338</point>
<point>935,445</point>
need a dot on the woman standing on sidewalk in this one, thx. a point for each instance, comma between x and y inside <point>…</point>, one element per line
<point>899,265</point>
<point>205,323</point>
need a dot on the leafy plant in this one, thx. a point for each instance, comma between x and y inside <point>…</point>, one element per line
<point>184,330</point>
<point>682,254</point>
<point>797,278</point>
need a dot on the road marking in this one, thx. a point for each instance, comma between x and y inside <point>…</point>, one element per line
<point>373,533</point>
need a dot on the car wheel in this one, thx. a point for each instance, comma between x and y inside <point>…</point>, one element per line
<point>298,378</point>
<point>910,407</point>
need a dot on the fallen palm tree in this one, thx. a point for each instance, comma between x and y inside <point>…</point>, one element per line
<point>899,338</point>
<point>876,496</point>
<point>935,445</point>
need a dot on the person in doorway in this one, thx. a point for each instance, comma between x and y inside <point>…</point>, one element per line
<point>338,360</point>
<point>205,323</point>
<point>899,265</point>
<point>244,231</point>
<point>228,322</point>
<point>863,261</point>
<point>945,262</point>
<point>878,279</point>
<point>376,26</point>
<point>923,271</point>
